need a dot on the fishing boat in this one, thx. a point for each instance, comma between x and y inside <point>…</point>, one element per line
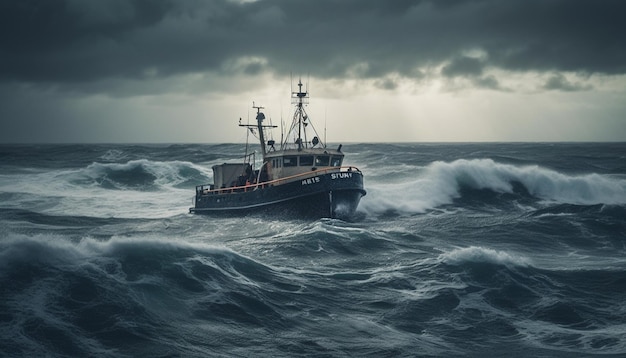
<point>301,177</point>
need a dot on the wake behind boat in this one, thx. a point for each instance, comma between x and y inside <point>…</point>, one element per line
<point>303,177</point>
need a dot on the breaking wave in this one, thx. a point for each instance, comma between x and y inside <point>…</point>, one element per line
<point>141,174</point>
<point>441,183</point>
<point>137,188</point>
<point>483,255</point>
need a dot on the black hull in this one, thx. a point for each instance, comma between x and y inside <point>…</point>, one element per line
<point>333,195</point>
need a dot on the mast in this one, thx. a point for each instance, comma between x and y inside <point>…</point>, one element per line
<point>260,127</point>
<point>259,120</point>
<point>298,130</point>
<point>300,113</point>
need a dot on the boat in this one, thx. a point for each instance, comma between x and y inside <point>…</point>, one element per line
<point>302,177</point>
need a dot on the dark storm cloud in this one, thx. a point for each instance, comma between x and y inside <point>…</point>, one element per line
<point>73,41</point>
<point>57,40</point>
<point>558,82</point>
<point>464,66</point>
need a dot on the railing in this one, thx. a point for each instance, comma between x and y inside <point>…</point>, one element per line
<point>205,189</point>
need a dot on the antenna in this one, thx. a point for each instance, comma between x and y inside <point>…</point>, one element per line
<point>325,115</point>
<point>246,158</point>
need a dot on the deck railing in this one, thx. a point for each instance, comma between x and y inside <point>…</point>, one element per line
<point>206,188</point>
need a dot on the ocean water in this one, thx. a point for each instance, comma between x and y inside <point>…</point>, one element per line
<point>457,250</point>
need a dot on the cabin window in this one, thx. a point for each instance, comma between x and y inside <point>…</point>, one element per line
<point>335,161</point>
<point>322,160</point>
<point>290,161</point>
<point>306,161</point>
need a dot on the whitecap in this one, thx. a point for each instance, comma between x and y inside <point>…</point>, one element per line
<point>440,183</point>
<point>479,254</point>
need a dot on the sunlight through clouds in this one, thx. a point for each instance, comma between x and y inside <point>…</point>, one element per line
<point>383,71</point>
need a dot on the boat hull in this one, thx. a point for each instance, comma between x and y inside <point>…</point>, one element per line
<point>334,195</point>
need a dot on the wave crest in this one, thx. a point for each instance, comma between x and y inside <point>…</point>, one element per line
<point>141,174</point>
<point>440,183</point>
<point>478,254</point>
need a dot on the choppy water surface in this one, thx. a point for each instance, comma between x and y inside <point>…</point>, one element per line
<point>458,249</point>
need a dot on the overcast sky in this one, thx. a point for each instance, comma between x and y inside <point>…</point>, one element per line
<point>402,70</point>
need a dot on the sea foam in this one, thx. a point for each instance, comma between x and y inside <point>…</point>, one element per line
<point>161,188</point>
<point>483,255</point>
<point>440,183</point>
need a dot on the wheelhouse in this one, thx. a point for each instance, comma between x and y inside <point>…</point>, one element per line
<point>283,164</point>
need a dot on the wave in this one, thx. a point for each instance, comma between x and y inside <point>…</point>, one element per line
<point>113,155</point>
<point>476,254</point>
<point>441,183</point>
<point>141,174</point>
<point>78,298</point>
<point>544,306</point>
<point>137,188</point>
<point>129,297</point>
<point>49,248</point>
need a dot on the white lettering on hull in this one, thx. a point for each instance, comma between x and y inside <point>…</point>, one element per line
<point>334,176</point>
<point>310,181</point>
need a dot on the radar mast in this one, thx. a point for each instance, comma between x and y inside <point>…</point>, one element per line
<point>297,136</point>
<point>260,127</point>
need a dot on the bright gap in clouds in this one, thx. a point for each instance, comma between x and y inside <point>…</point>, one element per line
<point>205,108</point>
<point>358,111</point>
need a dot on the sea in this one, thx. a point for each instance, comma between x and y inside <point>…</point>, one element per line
<point>458,249</point>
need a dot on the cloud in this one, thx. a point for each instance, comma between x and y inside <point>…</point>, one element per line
<point>70,41</point>
<point>387,83</point>
<point>65,41</point>
<point>559,82</point>
<point>74,70</point>
<point>488,82</point>
<point>464,66</point>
